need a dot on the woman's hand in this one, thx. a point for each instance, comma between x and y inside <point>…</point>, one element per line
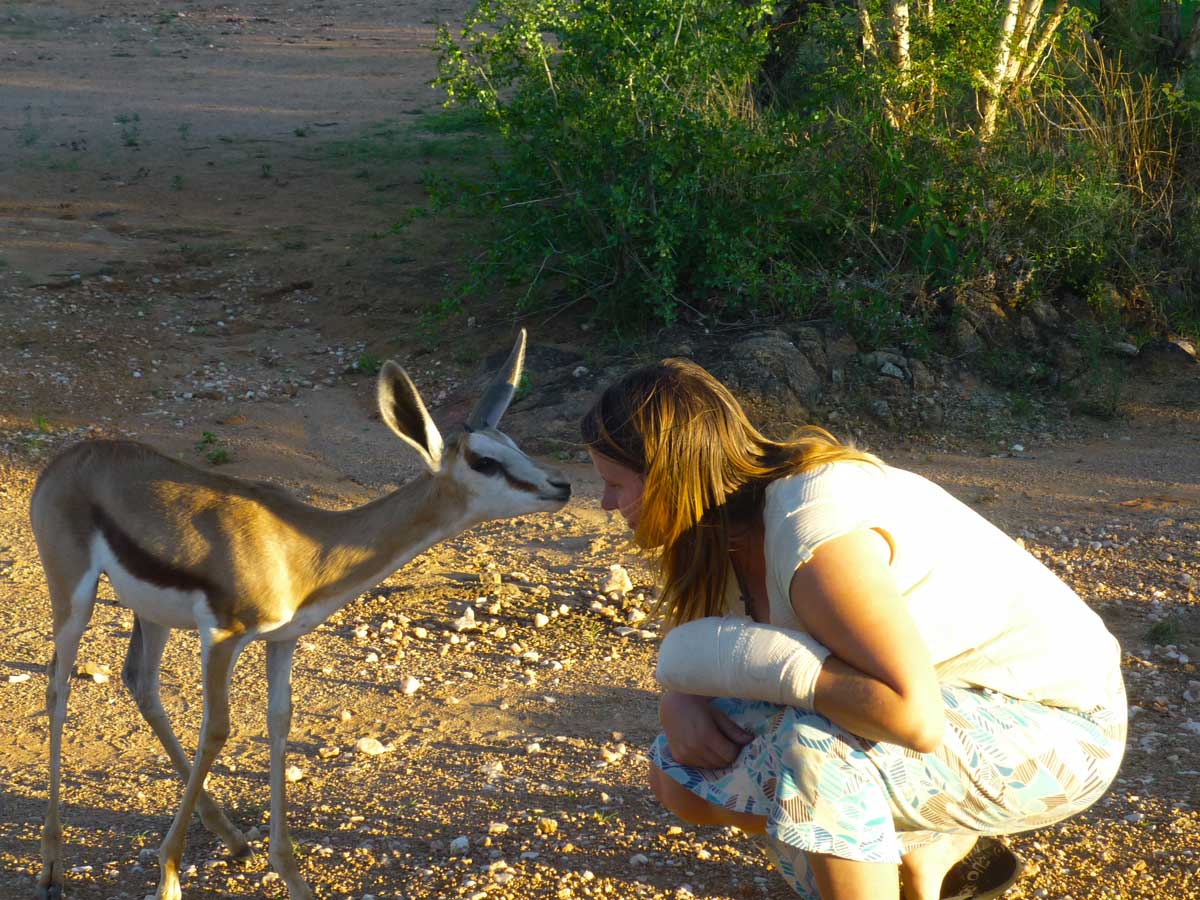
<point>699,734</point>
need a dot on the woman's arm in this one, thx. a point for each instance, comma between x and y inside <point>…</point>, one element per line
<point>879,682</point>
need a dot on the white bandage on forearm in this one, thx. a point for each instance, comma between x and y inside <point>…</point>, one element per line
<point>730,657</point>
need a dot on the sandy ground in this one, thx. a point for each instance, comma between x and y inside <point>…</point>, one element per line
<point>186,248</point>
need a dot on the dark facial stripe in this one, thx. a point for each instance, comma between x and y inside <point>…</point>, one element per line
<point>515,483</point>
<point>141,564</point>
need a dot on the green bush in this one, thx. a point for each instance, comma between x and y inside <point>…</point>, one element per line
<point>710,159</point>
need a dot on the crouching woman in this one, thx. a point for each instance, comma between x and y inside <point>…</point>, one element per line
<point>859,667</point>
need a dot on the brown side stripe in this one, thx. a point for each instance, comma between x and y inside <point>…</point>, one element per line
<point>143,565</point>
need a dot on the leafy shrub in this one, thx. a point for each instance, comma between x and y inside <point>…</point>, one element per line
<point>729,160</point>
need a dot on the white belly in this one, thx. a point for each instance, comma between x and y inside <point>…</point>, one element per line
<point>165,606</point>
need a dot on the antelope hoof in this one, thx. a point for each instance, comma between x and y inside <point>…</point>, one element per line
<point>50,883</point>
<point>242,853</point>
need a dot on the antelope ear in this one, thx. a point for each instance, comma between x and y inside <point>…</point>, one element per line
<point>401,408</point>
<point>499,393</point>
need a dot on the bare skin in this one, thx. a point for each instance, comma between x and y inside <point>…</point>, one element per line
<point>878,683</point>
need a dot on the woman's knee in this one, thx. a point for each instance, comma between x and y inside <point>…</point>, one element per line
<point>678,800</point>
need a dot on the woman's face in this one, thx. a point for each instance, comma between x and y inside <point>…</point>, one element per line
<point>622,488</point>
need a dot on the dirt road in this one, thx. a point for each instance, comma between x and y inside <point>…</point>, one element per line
<point>195,250</point>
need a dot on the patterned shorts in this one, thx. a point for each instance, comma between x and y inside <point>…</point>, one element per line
<point>1004,766</point>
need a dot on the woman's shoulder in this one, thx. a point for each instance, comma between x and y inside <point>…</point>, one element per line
<point>841,480</point>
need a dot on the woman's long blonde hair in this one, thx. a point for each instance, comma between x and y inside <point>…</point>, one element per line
<point>706,468</point>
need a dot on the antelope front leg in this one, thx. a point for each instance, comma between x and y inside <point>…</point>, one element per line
<point>279,723</point>
<point>218,652</point>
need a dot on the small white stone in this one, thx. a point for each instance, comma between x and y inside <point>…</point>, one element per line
<point>638,859</point>
<point>618,581</point>
<point>531,749</point>
<point>460,845</point>
<point>370,746</point>
<point>1134,818</point>
<point>293,774</point>
<point>497,827</point>
<point>541,620</point>
<point>466,622</point>
<point>18,679</point>
<point>410,685</point>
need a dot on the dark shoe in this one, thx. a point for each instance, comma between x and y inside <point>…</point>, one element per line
<point>986,872</point>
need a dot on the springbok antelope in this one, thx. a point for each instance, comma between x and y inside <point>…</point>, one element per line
<point>242,561</point>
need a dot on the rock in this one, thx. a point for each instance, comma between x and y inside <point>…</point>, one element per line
<point>293,774</point>
<point>964,337</point>
<point>1163,358</point>
<point>541,620</point>
<point>497,827</point>
<point>547,826</point>
<point>466,622</point>
<point>410,685</point>
<point>369,746</point>
<point>98,672</point>
<point>1043,313</point>
<point>618,581</point>
<point>770,375</point>
<point>638,859</point>
<point>460,845</point>
<point>18,679</point>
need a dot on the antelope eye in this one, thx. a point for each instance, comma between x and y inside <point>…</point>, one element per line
<point>485,465</point>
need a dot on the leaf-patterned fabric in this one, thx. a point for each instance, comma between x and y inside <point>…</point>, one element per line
<point>1005,765</point>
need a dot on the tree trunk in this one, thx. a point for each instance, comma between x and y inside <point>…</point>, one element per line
<point>901,56</point>
<point>993,86</point>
